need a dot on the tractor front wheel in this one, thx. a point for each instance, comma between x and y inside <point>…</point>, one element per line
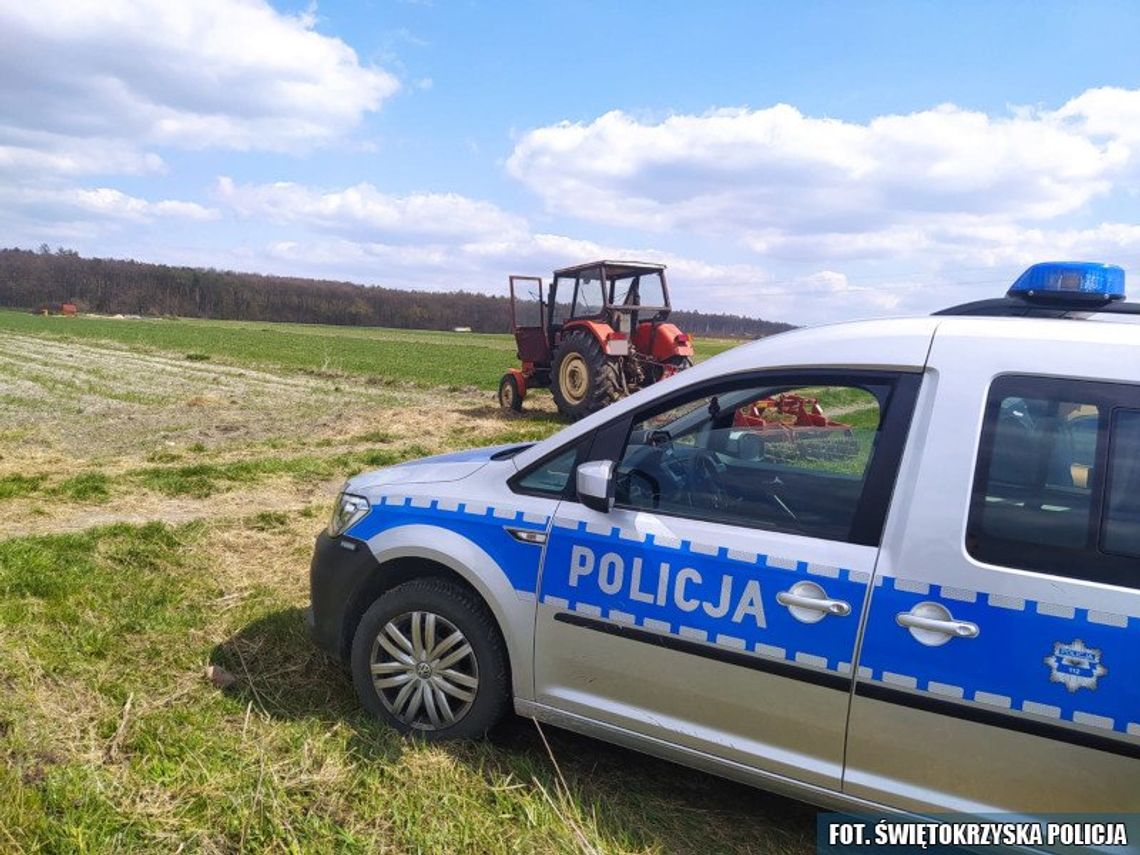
<point>510,398</point>
<point>584,379</point>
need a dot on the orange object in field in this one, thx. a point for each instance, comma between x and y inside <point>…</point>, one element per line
<point>788,410</point>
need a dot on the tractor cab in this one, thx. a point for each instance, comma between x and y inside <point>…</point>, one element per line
<point>613,316</point>
<point>620,294</point>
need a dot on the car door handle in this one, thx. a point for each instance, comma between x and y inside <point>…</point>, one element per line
<point>832,607</point>
<point>955,628</point>
<point>809,603</point>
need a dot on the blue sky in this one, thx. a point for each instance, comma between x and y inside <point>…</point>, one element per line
<point>795,161</point>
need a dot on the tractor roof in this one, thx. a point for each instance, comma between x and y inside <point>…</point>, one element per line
<point>614,269</point>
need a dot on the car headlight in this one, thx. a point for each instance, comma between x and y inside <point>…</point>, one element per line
<point>347,512</point>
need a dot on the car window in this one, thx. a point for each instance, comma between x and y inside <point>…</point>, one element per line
<point>1121,531</point>
<point>550,476</point>
<point>1048,494</point>
<point>1039,484</point>
<point>787,458</point>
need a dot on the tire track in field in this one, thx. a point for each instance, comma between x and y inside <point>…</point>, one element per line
<point>89,399</point>
<point>112,364</point>
<point>70,409</point>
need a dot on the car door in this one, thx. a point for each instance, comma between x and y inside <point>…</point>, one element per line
<point>715,607</point>
<point>1000,667</point>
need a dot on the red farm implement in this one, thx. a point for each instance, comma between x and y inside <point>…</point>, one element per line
<point>797,426</point>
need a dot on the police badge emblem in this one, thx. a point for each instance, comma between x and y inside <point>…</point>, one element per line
<point>1074,665</point>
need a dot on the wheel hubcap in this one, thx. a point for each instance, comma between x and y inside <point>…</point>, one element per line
<point>574,377</point>
<point>424,670</point>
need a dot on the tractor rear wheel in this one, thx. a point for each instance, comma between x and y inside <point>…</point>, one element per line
<point>583,380</point>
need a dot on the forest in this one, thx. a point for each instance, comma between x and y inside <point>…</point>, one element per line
<point>45,279</point>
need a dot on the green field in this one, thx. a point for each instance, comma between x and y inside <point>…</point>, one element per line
<point>422,357</point>
<point>157,515</point>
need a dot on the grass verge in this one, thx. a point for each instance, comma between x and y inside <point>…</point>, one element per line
<point>111,740</point>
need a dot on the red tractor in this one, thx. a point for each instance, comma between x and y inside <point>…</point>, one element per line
<point>602,333</point>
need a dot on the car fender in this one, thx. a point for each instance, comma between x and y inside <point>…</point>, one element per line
<point>513,610</point>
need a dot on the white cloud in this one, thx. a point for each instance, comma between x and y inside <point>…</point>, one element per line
<point>114,204</point>
<point>363,212</point>
<point>799,187</point>
<point>447,241</point>
<point>88,87</point>
<point>1109,113</point>
<point>93,217</point>
<point>96,207</point>
<point>101,89</point>
<point>35,155</point>
<point>484,266</point>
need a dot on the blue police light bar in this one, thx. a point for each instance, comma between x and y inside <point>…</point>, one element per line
<point>1071,280</point>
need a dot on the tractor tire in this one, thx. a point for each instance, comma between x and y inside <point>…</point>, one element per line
<point>583,379</point>
<point>509,396</point>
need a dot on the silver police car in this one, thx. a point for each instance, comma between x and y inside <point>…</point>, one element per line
<point>884,565</point>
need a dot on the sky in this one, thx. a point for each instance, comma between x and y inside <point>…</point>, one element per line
<point>806,162</point>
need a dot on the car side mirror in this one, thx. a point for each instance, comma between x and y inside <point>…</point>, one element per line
<point>595,483</point>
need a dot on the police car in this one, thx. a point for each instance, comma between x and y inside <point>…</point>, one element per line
<point>881,564</point>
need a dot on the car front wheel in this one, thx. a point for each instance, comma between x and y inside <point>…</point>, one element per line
<point>428,659</point>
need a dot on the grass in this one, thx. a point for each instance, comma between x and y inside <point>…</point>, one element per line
<point>18,486</point>
<point>201,480</point>
<point>111,740</point>
<point>87,487</point>
<point>416,356</point>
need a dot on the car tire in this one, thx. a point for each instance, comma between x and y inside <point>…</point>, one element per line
<point>462,692</point>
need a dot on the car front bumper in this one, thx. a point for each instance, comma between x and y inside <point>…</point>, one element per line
<point>340,570</point>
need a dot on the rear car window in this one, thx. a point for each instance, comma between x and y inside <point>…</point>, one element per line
<point>1120,533</point>
<point>1048,494</point>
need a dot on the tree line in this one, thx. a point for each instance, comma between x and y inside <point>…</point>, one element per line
<point>46,279</point>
